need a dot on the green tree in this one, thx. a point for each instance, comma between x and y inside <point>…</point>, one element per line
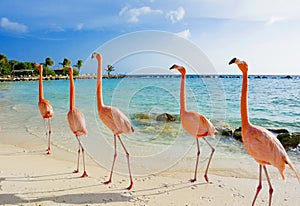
<point>48,72</point>
<point>75,72</point>
<point>109,69</point>
<point>13,64</point>
<point>79,64</point>
<point>5,68</point>
<point>47,69</point>
<point>49,62</point>
<point>22,68</point>
<point>66,63</point>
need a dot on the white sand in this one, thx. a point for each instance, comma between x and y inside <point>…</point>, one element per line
<point>30,177</point>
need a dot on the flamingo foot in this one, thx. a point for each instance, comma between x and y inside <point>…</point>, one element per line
<point>193,180</point>
<point>48,152</point>
<point>206,178</point>
<point>130,186</point>
<point>75,171</point>
<point>84,174</point>
<point>107,182</point>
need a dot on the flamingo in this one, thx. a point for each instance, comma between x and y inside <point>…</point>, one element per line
<point>45,106</point>
<point>114,119</point>
<point>76,122</point>
<point>194,123</point>
<point>260,143</point>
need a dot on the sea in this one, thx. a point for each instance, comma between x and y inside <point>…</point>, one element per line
<point>155,146</point>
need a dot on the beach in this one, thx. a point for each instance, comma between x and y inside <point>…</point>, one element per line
<point>30,177</point>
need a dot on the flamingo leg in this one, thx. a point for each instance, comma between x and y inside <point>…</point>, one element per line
<point>211,155</point>
<point>49,133</point>
<point>196,168</point>
<point>258,187</point>
<point>46,129</point>
<point>82,149</point>
<point>127,155</point>
<point>84,171</point>
<point>270,186</point>
<point>112,167</point>
<point>78,155</point>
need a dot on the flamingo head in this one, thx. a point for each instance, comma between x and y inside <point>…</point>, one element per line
<point>40,67</point>
<point>243,66</point>
<point>95,55</point>
<point>181,69</point>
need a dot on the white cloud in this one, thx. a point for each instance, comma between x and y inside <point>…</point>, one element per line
<point>79,26</point>
<point>176,15</point>
<point>6,24</point>
<point>134,13</point>
<point>275,19</point>
<point>55,28</point>
<point>184,34</point>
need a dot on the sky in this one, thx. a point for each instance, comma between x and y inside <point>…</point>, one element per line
<point>263,33</point>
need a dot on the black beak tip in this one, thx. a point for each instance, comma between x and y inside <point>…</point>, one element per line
<point>172,67</point>
<point>93,55</point>
<point>232,61</point>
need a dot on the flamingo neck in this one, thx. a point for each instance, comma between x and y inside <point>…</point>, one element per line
<point>182,94</point>
<point>99,83</point>
<point>41,92</point>
<point>244,101</point>
<point>72,92</point>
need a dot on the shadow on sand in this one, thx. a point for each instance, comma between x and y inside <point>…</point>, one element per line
<point>13,199</point>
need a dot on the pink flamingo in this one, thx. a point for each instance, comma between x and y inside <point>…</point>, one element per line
<point>76,122</point>
<point>45,106</point>
<point>260,143</point>
<point>194,123</point>
<point>113,118</point>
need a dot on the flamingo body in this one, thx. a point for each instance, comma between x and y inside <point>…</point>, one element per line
<point>77,122</point>
<point>45,108</point>
<point>265,148</point>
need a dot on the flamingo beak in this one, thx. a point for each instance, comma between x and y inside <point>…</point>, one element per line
<point>93,55</point>
<point>232,61</point>
<point>172,67</point>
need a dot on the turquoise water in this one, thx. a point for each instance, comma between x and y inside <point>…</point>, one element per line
<point>273,103</point>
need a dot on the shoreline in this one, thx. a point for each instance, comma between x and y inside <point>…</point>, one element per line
<point>119,76</point>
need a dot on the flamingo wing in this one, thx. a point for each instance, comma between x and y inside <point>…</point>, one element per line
<point>115,120</point>
<point>196,124</point>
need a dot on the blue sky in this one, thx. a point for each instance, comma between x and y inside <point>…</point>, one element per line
<point>264,33</point>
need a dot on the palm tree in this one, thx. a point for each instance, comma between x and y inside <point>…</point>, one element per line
<point>66,63</point>
<point>79,64</point>
<point>109,69</point>
<point>49,62</point>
